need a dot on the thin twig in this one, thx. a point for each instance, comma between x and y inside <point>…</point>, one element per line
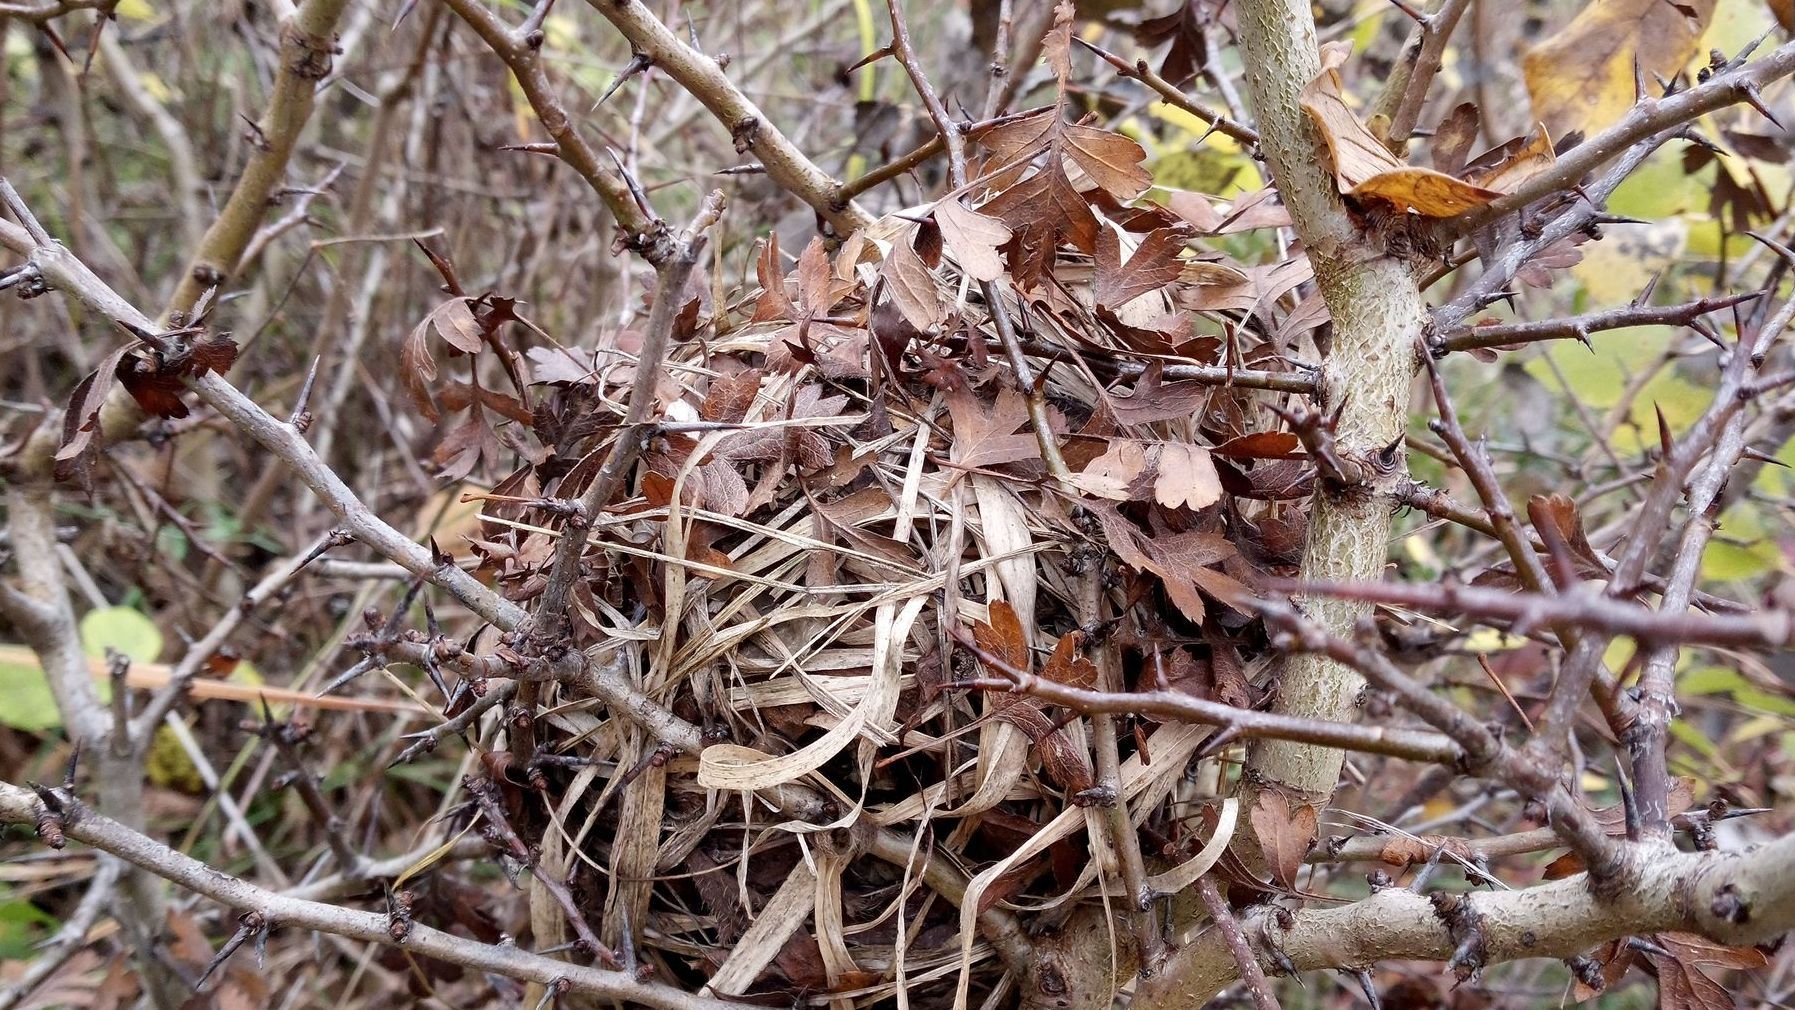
<point>1264,997</point>
<point>1140,71</point>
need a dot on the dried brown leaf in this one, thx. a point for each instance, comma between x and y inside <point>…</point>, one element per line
<point>1186,477</point>
<point>910,285</point>
<point>1285,834</point>
<point>973,239</point>
<point>1153,265</point>
<point>1582,78</point>
<point>1364,167</point>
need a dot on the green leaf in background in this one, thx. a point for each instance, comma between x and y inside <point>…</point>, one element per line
<point>121,628</point>
<point>29,705</point>
<point>1724,680</point>
<point>22,926</point>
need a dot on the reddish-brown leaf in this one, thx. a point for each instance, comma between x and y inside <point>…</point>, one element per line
<point>910,285</point>
<point>730,396</point>
<point>1364,167</point>
<point>774,302</point>
<point>1068,665</point>
<point>1285,834</point>
<point>1156,400</point>
<point>1111,160</point>
<point>1614,958</point>
<point>987,438</point>
<point>1453,138</point>
<point>157,391</point>
<point>417,370</point>
<point>1043,212</point>
<point>1056,45</point>
<point>81,421</point>
<point>455,321</point>
<point>213,352</point>
<point>1153,265</point>
<point>1003,637</point>
<point>1683,985</point>
<point>1557,516</point>
<point>1018,138</point>
<point>1259,445</point>
<point>813,275</point>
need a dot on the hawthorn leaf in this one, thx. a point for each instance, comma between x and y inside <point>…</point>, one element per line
<point>1454,136</point>
<point>1363,166</point>
<point>1425,191</point>
<point>1112,474</point>
<point>417,370</point>
<point>1528,159</point>
<point>1153,265</point>
<point>729,397</point>
<point>1110,159</point>
<point>1259,445</point>
<point>1068,665</point>
<point>156,390</point>
<point>1043,212</point>
<point>987,438</point>
<point>1188,29</point>
<point>1056,45</point>
<point>557,365</point>
<point>1002,637</point>
<point>911,285</point>
<point>774,302</point>
<point>1285,834</point>
<point>1156,400</point>
<point>1683,985</point>
<point>1186,477</point>
<point>455,321</point>
<point>973,238</point>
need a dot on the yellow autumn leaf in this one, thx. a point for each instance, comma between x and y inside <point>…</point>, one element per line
<point>154,86</point>
<point>1425,191</point>
<point>1582,78</point>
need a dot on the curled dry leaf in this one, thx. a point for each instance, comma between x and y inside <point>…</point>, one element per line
<point>1364,167</point>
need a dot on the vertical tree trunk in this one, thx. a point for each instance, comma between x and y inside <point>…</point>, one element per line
<point>1377,315</point>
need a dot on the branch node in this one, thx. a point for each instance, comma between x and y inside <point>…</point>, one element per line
<point>1730,906</point>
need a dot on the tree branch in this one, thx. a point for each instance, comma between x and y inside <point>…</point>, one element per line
<point>1377,315</point>
<point>1471,338</point>
<point>307,42</point>
<point>1560,919</point>
<point>749,127</point>
<point>19,806</point>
